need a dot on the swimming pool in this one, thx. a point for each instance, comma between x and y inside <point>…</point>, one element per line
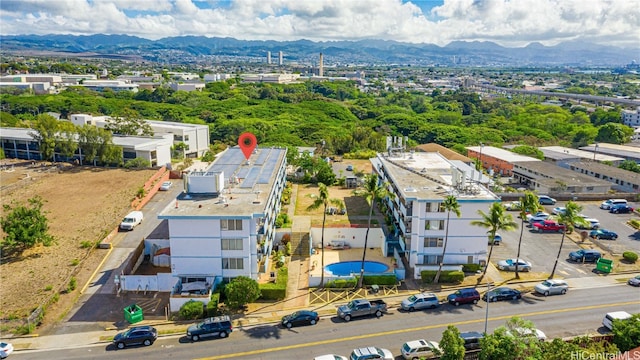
<point>346,268</point>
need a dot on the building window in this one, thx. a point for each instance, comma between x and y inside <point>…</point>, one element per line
<point>186,138</point>
<point>231,224</point>
<point>231,244</point>
<point>440,207</point>
<point>428,207</point>
<point>439,225</point>
<point>232,263</point>
<point>432,259</point>
<point>427,225</point>
<point>433,242</point>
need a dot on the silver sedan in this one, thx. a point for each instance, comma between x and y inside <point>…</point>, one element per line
<point>552,287</point>
<point>510,265</point>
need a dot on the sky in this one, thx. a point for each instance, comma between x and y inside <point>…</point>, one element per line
<point>511,23</point>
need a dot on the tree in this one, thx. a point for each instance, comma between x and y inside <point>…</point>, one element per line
<point>66,140</point>
<point>515,340</point>
<point>45,132</point>
<point>626,333</point>
<point>241,291</point>
<point>569,218</point>
<point>323,200</point>
<point>529,203</point>
<point>452,345</point>
<point>450,204</point>
<point>529,151</point>
<point>495,220</point>
<point>373,191</point>
<point>630,165</point>
<point>129,122</point>
<point>614,133</point>
<point>25,226</point>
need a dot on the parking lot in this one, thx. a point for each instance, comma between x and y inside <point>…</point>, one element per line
<point>541,248</point>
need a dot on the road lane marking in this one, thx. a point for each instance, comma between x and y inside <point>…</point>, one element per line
<point>400,331</point>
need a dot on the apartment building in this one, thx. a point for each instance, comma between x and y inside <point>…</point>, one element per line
<point>421,182</point>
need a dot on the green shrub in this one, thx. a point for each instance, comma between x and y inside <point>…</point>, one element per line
<point>452,276</point>
<point>471,268</point>
<point>73,283</point>
<point>212,305</point>
<point>48,288</point>
<point>75,262</point>
<point>630,256</point>
<point>137,163</point>
<point>380,279</point>
<point>277,290</point>
<point>191,310</point>
<point>87,244</point>
<point>341,283</point>
<point>634,223</point>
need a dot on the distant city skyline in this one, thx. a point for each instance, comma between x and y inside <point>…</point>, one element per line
<point>506,22</point>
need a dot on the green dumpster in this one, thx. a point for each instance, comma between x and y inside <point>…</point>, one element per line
<point>604,265</point>
<point>133,314</point>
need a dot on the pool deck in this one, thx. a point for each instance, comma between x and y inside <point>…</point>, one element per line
<point>335,256</point>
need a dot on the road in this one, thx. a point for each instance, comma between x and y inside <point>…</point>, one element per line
<point>578,312</point>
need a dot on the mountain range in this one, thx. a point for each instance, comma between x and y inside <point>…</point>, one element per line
<point>190,49</point>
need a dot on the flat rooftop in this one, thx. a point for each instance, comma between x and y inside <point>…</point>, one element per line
<point>247,186</point>
<point>429,176</point>
<point>501,154</point>
<point>561,152</point>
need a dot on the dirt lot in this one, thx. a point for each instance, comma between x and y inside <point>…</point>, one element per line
<point>83,205</point>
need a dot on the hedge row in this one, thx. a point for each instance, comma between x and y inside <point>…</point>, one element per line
<point>452,276</point>
<point>277,290</point>
<point>471,268</point>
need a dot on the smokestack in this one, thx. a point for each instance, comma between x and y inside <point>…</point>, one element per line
<point>321,66</point>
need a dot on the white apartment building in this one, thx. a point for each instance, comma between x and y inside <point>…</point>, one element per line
<point>194,136</point>
<point>421,182</point>
<point>19,144</point>
<point>114,85</point>
<point>223,225</point>
<point>631,118</point>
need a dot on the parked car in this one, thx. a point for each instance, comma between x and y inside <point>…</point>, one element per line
<point>560,210</point>
<point>527,334</point>
<point>634,281</point>
<point>5,350</point>
<point>501,293</point>
<point>330,357</point>
<point>471,339</point>
<point>540,215</point>
<point>420,349</point>
<point>420,301</point>
<point>603,234</point>
<point>464,296</point>
<point>513,206</point>
<point>607,322</point>
<point>583,255</point>
<point>302,317</point>
<point>588,223</point>
<point>497,239</point>
<point>349,167</point>
<point>371,352</point>
<point>132,220</point>
<point>219,326</point>
<point>138,335</point>
<point>361,307</point>
<point>621,209</point>
<point>552,287</point>
<point>546,200</point>
<point>607,204</point>
<point>166,186</point>
<point>510,265</point>
<point>548,225</point>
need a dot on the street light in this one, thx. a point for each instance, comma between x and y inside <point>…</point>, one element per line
<point>486,315</point>
<point>595,152</point>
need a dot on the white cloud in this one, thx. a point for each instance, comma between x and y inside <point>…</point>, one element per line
<point>507,22</point>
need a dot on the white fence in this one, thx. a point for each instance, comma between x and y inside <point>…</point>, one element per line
<point>160,282</point>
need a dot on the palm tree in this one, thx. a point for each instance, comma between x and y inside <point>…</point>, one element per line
<point>495,220</point>
<point>450,204</point>
<point>528,203</point>
<point>323,200</point>
<point>569,218</point>
<point>373,191</point>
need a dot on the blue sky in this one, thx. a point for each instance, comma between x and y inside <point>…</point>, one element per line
<point>507,22</point>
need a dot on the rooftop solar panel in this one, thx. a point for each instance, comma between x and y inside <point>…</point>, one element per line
<point>265,175</point>
<point>262,156</point>
<point>243,173</point>
<point>251,178</point>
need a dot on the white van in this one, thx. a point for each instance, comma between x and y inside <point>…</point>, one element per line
<point>131,220</point>
<point>607,322</point>
<point>608,204</point>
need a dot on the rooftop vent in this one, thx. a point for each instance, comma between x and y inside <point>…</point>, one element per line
<point>410,189</point>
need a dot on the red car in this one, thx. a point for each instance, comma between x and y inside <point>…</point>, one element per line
<point>548,225</point>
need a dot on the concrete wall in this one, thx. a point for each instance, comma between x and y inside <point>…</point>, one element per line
<point>354,237</point>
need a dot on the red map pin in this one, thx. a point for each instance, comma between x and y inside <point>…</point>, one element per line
<point>247,142</point>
